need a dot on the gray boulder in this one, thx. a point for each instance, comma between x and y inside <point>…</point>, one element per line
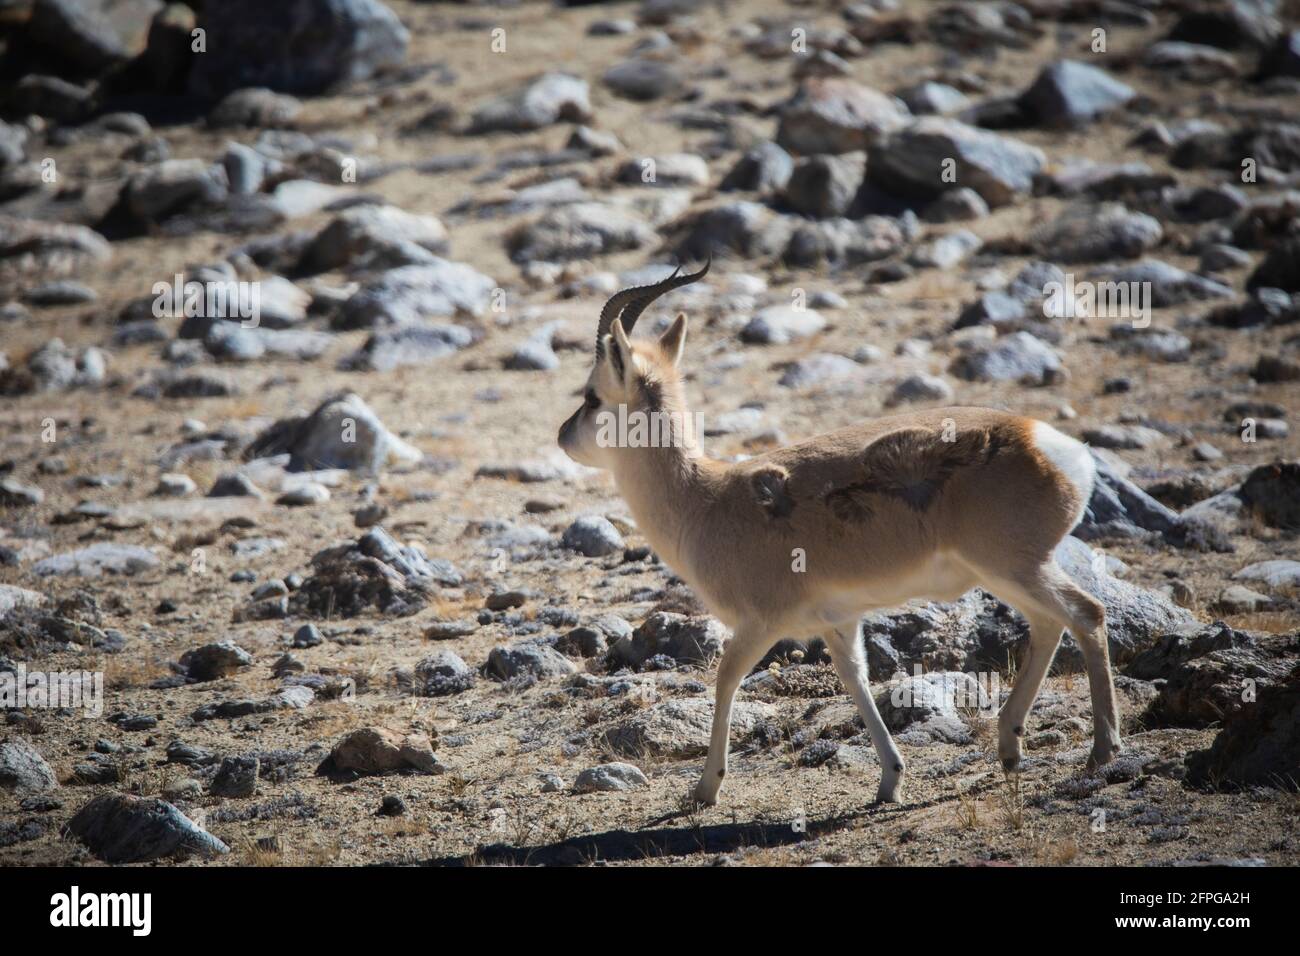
<point>160,191</point>
<point>246,169</point>
<point>930,98</point>
<point>840,241</point>
<point>835,115</point>
<point>975,632</point>
<point>927,708</point>
<point>592,536</point>
<point>527,658</point>
<point>536,353</point>
<point>679,728</point>
<point>911,162</point>
<point>1125,436</point>
<point>54,367</point>
<point>16,494</point>
<point>766,168</point>
<point>295,46</point>
<point>236,777</point>
<point>411,294</point>
<point>1095,233</point>
<point>234,485</point>
<point>947,251</point>
<point>578,231</point>
<point>254,107</point>
<point>1198,62</point>
<point>23,770</point>
<point>1167,284</point>
<point>748,230</point>
<point>689,640</point>
<point>670,169</point>
<point>1258,746</point>
<point>13,145</point>
<point>12,596</point>
<point>1207,673</point>
<point>342,432</point>
<point>920,387</point>
<point>97,559</point>
<point>551,98</point>
<point>443,674</point>
<point>290,699</point>
<point>1157,345</point>
<point>1068,93</point>
<point>644,79</point>
<point>1119,508</point>
<point>610,778</point>
<point>1018,357</point>
<point>80,33</point>
<point>825,185</point>
<point>378,750</point>
<point>956,205</point>
<point>388,349</point>
<point>782,324</point>
<point>818,369</point>
<point>374,571</point>
<point>1277,574</point>
<point>408,560</point>
<point>118,828</point>
<point>368,233</point>
<point>1105,180</point>
<point>30,249</point>
<point>214,661</point>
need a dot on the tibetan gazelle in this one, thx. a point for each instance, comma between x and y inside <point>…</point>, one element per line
<point>922,505</point>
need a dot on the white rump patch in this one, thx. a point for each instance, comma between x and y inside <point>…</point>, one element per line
<point>1071,458</point>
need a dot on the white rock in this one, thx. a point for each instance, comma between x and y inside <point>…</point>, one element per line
<point>611,777</point>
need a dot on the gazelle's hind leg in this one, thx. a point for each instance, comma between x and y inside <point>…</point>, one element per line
<point>1050,601</point>
<point>851,665</point>
<point>1087,622</point>
<point>1044,638</point>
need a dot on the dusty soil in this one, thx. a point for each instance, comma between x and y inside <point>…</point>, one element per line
<point>495,739</point>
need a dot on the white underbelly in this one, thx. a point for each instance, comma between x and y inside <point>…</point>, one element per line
<point>942,578</point>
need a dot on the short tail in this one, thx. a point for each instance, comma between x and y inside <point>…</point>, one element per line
<point>1072,459</point>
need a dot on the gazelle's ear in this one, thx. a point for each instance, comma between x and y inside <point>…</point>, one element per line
<point>673,342</point>
<point>619,349</point>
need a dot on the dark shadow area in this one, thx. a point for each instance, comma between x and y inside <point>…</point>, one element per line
<point>617,846</point>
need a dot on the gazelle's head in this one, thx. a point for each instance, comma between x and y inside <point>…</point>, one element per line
<point>630,380</point>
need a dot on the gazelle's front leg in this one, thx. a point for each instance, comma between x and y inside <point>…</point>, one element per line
<point>745,649</point>
<point>850,660</point>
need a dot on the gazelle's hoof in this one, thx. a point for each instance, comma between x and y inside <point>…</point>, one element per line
<point>1102,754</point>
<point>1009,747</point>
<point>1009,753</point>
<point>891,790</point>
<point>699,798</point>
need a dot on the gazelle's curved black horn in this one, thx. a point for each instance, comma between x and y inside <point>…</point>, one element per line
<point>628,305</point>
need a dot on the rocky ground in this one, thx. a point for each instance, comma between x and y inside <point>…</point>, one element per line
<point>350,603</point>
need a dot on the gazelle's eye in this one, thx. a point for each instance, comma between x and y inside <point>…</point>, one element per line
<point>592,399</point>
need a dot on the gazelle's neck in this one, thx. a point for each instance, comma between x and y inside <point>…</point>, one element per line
<point>666,491</point>
<point>668,487</point>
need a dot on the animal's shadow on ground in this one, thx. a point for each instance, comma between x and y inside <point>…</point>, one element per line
<point>616,846</point>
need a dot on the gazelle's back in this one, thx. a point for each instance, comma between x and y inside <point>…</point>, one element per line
<point>880,500</point>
